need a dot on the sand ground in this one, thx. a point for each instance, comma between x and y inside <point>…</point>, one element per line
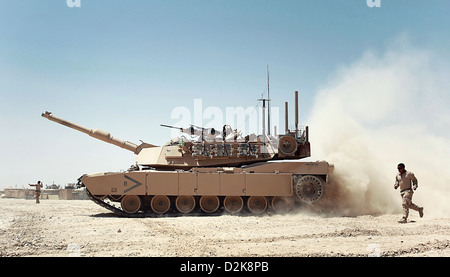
<point>81,228</point>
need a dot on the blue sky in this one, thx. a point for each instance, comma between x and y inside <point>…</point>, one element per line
<point>123,66</point>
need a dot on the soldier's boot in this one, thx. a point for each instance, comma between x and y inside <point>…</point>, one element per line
<point>403,220</point>
<point>421,212</point>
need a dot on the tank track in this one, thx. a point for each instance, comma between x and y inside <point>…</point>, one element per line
<point>171,213</point>
<point>117,211</point>
<point>143,214</point>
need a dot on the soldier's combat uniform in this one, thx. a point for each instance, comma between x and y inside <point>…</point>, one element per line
<point>407,183</point>
<point>37,191</point>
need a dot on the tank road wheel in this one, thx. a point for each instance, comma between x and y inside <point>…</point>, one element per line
<point>160,204</point>
<point>309,188</point>
<point>233,204</point>
<point>99,197</point>
<point>185,203</point>
<point>257,204</point>
<point>282,204</point>
<point>131,204</point>
<point>209,203</point>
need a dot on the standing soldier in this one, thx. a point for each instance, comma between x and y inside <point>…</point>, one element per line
<point>407,183</point>
<point>37,191</point>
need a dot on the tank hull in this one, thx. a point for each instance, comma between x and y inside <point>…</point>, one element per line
<point>183,190</point>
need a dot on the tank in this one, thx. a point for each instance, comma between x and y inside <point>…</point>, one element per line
<point>206,171</point>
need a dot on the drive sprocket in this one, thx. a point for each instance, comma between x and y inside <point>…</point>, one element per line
<point>309,188</point>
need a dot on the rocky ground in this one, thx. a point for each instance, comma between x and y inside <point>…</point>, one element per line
<point>81,228</point>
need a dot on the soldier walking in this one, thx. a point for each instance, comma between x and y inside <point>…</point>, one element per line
<point>407,183</point>
<point>37,191</point>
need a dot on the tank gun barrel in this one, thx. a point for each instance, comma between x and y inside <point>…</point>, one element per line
<point>96,133</point>
<point>194,130</point>
<point>191,130</point>
<point>173,127</point>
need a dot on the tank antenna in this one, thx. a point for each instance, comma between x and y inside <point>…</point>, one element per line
<point>268,102</point>
<point>264,123</point>
<point>296,112</point>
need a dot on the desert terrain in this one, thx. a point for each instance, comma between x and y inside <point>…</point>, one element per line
<point>65,228</point>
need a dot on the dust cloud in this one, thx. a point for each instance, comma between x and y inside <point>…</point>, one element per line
<point>388,107</point>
